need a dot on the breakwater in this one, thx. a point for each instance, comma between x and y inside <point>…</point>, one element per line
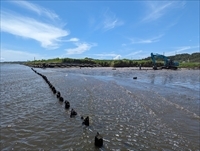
<point>98,140</point>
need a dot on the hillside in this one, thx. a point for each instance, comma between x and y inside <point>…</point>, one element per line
<point>194,57</point>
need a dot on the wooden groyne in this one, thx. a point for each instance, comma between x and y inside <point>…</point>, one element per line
<point>98,139</point>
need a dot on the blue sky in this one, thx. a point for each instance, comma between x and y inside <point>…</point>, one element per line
<point>97,29</point>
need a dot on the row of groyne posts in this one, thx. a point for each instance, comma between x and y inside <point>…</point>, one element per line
<point>98,141</point>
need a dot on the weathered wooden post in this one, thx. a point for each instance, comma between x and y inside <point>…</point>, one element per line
<point>98,140</point>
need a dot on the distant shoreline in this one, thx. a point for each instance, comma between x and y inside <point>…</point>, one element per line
<point>60,65</point>
<point>71,65</point>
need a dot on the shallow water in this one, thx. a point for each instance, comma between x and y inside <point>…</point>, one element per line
<point>158,111</point>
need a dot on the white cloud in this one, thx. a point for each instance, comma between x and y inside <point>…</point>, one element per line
<point>15,55</point>
<point>49,36</point>
<point>156,9</point>
<point>145,41</point>
<point>73,40</point>
<point>37,9</point>
<point>81,48</point>
<point>134,53</point>
<point>107,21</point>
<point>110,20</point>
<point>106,55</point>
<point>183,49</point>
<point>117,57</point>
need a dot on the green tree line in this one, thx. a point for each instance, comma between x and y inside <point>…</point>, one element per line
<point>185,60</point>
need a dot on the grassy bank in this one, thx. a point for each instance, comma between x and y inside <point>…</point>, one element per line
<point>190,65</point>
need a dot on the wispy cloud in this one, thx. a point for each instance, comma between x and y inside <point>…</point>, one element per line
<point>16,55</point>
<point>73,40</point>
<point>107,21</point>
<point>134,53</point>
<point>37,9</point>
<point>145,41</point>
<point>180,49</point>
<point>49,36</point>
<point>109,55</point>
<point>183,49</point>
<point>117,57</point>
<point>157,9</point>
<point>80,48</point>
<point>110,20</point>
